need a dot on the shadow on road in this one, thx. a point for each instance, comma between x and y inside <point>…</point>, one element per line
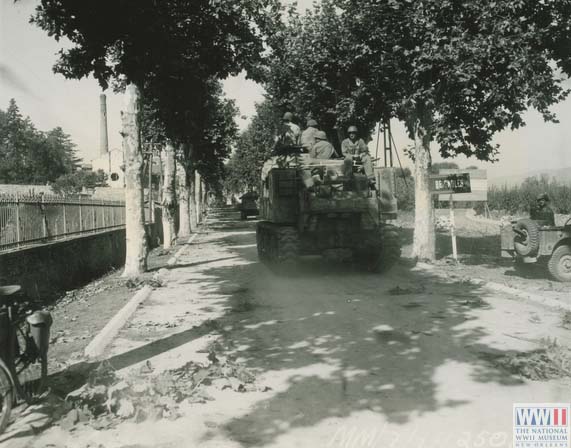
<point>364,350</point>
<point>342,341</point>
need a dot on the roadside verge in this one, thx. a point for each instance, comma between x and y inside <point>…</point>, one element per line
<point>96,348</point>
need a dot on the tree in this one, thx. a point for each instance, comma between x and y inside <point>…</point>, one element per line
<point>170,51</point>
<point>75,182</point>
<point>136,256</point>
<point>312,71</point>
<point>169,197</point>
<point>30,156</point>
<point>253,147</point>
<point>457,73</point>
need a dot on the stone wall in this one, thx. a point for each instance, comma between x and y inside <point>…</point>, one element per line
<point>50,268</point>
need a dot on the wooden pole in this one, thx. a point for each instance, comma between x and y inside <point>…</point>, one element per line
<point>44,218</point>
<point>80,216</point>
<point>151,207</point>
<point>453,229</point>
<point>18,236</point>
<point>64,220</point>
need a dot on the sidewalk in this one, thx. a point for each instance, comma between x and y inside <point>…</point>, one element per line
<point>176,325</point>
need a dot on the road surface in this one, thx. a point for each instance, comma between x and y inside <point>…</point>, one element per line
<point>341,358</point>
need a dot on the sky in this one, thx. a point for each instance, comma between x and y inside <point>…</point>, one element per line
<point>27,55</point>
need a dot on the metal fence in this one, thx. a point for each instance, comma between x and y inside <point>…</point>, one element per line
<point>31,219</point>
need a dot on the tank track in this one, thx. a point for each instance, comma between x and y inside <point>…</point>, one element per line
<point>390,248</point>
<point>380,255</point>
<point>277,245</point>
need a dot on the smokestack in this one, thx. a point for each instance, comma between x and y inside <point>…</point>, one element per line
<point>104,141</point>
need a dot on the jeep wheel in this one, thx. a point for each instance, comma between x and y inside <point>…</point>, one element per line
<point>560,264</point>
<point>526,241</point>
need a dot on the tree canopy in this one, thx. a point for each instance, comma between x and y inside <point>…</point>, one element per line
<point>463,70</point>
<point>243,170</point>
<point>30,156</point>
<point>313,73</point>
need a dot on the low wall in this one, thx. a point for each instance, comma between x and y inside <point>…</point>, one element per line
<point>54,267</point>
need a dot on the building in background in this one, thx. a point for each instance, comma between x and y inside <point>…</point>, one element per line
<point>111,162</point>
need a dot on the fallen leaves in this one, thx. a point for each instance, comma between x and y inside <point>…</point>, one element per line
<point>107,398</point>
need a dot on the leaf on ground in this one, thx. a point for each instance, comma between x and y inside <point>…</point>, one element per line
<point>126,408</point>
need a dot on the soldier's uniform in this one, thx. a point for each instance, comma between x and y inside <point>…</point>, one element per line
<point>308,138</point>
<point>322,149</point>
<point>543,212</point>
<point>359,148</point>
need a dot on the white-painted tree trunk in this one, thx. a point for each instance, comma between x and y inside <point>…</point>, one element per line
<point>197,194</point>
<point>136,256</point>
<point>193,206</point>
<point>183,191</point>
<point>169,196</point>
<point>424,247</point>
<point>204,200</point>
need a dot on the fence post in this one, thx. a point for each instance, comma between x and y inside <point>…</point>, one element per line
<point>80,216</point>
<point>44,217</point>
<point>104,213</point>
<point>64,219</point>
<point>18,221</point>
<point>93,213</point>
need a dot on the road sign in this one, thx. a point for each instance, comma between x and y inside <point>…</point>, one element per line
<point>450,183</point>
<point>478,185</point>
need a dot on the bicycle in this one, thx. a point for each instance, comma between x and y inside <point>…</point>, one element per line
<point>24,342</point>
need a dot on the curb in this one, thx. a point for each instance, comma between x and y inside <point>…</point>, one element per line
<point>96,347</point>
<point>498,287</point>
<point>108,333</point>
<point>172,260</point>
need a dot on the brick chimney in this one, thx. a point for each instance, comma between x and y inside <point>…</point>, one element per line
<point>104,141</point>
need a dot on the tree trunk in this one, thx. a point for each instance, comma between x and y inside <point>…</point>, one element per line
<point>424,247</point>
<point>136,256</point>
<point>184,228</point>
<point>193,207</point>
<point>169,197</point>
<point>204,200</point>
<point>198,194</point>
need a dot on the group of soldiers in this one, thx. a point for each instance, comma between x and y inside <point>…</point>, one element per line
<point>314,141</point>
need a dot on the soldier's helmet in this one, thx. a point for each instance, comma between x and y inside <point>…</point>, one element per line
<point>543,196</point>
<point>320,135</point>
<point>288,116</point>
<point>352,129</point>
<point>311,123</point>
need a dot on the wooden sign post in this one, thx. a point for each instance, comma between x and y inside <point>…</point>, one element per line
<point>450,184</point>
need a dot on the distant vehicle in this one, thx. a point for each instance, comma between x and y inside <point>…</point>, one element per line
<point>310,206</point>
<point>248,205</point>
<point>528,241</point>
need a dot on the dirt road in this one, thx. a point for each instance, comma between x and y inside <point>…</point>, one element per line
<point>340,358</point>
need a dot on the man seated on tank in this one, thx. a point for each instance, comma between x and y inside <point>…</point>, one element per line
<point>542,211</point>
<point>355,148</point>
<point>289,135</point>
<point>308,135</point>
<point>322,149</point>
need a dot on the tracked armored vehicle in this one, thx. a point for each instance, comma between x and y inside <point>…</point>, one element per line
<point>312,206</point>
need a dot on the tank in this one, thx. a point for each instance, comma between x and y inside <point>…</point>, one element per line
<point>313,206</point>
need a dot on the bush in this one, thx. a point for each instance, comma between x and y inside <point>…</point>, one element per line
<point>522,198</point>
<point>404,190</point>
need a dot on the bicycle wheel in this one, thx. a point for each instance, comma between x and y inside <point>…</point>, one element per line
<point>6,396</point>
<point>30,366</point>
